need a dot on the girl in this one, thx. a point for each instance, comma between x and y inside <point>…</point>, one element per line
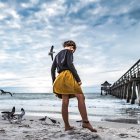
<point>67,84</point>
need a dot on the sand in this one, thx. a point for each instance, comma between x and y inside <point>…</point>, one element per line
<point>33,129</point>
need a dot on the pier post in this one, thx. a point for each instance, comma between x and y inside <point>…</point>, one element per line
<point>134,96</point>
<point>138,86</point>
<point>125,91</point>
<point>122,89</point>
<point>138,89</point>
<point>118,90</point>
<point>101,91</point>
<point>129,92</point>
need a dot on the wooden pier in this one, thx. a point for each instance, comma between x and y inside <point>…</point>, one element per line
<point>128,86</point>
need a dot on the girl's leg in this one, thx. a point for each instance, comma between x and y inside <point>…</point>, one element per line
<point>83,112</point>
<point>82,106</point>
<point>65,104</point>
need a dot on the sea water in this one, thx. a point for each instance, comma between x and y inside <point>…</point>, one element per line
<point>47,104</point>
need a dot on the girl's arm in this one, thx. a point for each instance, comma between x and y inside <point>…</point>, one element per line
<point>71,66</point>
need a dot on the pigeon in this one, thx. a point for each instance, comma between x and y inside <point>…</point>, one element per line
<point>4,92</point>
<point>8,115</point>
<point>51,52</point>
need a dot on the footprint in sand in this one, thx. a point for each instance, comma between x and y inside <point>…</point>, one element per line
<point>28,136</point>
<point>100,127</point>
<point>78,135</point>
<point>62,135</point>
<point>45,139</point>
<point>31,120</point>
<point>26,125</point>
<point>2,131</point>
<point>25,132</point>
<point>123,135</point>
<point>44,130</point>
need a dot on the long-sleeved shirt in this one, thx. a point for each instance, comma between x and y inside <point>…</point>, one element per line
<point>64,61</point>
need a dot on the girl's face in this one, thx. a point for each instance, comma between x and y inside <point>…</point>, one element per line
<point>71,48</point>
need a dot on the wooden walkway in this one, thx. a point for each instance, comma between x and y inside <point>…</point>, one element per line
<point>128,86</point>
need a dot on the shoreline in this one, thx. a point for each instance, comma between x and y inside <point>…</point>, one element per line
<point>98,107</point>
<point>33,129</point>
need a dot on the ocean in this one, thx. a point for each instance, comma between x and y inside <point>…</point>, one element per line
<point>99,107</point>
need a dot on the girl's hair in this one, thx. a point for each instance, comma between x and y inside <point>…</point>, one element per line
<point>69,43</point>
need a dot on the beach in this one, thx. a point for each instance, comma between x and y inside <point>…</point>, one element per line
<point>113,118</point>
<point>32,128</point>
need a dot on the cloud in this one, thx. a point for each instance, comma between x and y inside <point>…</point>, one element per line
<point>103,31</point>
<point>134,14</point>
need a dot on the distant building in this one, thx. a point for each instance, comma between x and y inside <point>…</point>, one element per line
<point>105,87</point>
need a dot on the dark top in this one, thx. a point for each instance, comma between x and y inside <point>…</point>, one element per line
<point>64,61</point>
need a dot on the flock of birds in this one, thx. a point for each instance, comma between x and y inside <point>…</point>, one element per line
<point>18,118</point>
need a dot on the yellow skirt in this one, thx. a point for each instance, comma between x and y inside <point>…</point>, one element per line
<point>66,84</point>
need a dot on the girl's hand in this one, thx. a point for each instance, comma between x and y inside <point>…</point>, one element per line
<point>79,83</point>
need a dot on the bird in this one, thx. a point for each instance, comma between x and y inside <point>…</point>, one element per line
<point>4,92</point>
<point>43,119</point>
<point>8,114</point>
<point>19,117</point>
<point>54,121</point>
<point>51,52</point>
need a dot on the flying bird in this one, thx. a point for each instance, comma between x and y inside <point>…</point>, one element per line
<point>51,52</point>
<point>4,92</point>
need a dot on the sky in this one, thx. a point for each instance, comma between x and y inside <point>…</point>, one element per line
<point>107,34</point>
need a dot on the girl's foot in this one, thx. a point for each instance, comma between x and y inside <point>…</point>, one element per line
<point>86,124</point>
<point>69,128</point>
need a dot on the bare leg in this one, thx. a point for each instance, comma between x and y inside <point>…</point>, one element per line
<point>65,103</point>
<point>83,112</point>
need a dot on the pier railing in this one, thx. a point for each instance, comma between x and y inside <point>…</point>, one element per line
<point>128,85</point>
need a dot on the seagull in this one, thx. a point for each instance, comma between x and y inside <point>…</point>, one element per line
<point>8,115</point>
<point>19,116</point>
<point>4,92</point>
<point>51,52</point>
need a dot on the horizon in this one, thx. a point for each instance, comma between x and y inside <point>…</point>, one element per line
<point>44,90</point>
